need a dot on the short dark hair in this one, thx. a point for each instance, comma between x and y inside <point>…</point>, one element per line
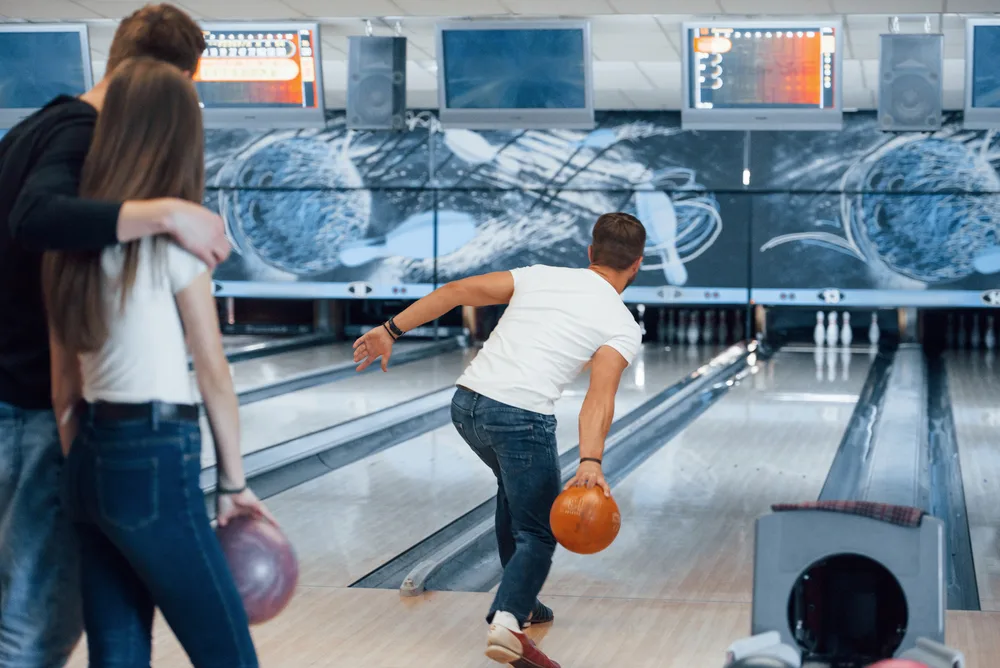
<point>162,32</point>
<point>619,240</point>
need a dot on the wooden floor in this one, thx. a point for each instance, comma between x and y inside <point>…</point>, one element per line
<point>691,505</point>
<point>975,385</point>
<point>372,628</point>
<point>388,502</point>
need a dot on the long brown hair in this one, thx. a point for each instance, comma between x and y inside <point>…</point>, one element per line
<point>148,144</point>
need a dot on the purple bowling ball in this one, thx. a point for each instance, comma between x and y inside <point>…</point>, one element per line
<point>263,564</point>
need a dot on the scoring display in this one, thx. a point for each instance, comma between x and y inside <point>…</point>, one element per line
<point>258,69</point>
<point>760,67</point>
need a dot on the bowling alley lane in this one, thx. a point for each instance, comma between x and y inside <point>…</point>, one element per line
<point>352,520</point>
<point>975,401</point>
<point>688,512</point>
<point>287,416</point>
<point>281,366</point>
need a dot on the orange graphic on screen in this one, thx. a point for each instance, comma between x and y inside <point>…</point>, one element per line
<point>234,72</point>
<point>797,74</point>
<point>712,44</point>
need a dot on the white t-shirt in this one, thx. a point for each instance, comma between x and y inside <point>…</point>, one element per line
<point>555,322</point>
<point>145,356</point>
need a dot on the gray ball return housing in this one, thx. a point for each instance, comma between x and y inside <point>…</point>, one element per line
<point>857,578</point>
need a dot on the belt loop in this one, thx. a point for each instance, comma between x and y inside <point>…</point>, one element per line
<point>155,415</point>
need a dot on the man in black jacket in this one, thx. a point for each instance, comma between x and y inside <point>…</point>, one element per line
<point>40,163</point>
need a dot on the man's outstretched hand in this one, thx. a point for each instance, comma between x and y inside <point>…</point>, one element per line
<point>375,343</point>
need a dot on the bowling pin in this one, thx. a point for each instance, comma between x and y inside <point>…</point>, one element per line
<point>831,329</point>
<point>681,328</point>
<point>846,333</point>
<point>831,364</point>
<point>692,331</point>
<point>723,328</point>
<point>819,333</point>
<point>671,325</point>
<point>818,359</point>
<point>708,335</point>
<point>960,339</point>
<point>641,311</point>
<point>845,363</point>
<point>990,340</point>
<point>950,334</point>
<point>974,337</point>
<point>874,334</point>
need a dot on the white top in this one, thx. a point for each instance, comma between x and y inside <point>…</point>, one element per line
<point>555,322</point>
<point>145,356</point>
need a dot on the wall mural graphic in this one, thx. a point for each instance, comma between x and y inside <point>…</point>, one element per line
<point>870,217</point>
<point>883,218</point>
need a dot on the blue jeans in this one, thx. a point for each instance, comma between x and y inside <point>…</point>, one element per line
<point>40,617</point>
<point>519,446</point>
<point>146,542</point>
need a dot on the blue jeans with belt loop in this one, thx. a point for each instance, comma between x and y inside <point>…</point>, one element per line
<point>519,446</point>
<point>146,542</point>
<point>40,615</point>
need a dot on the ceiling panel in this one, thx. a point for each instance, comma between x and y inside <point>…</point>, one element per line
<point>854,75</point>
<point>666,76</point>
<point>702,7</point>
<point>654,99</point>
<point>244,10</point>
<point>888,6</point>
<point>451,7</point>
<point>636,38</point>
<point>112,9</point>
<point>612,99</point>
<point>859,99</point>
<point>47,10</point>
<point>759,7</point>
<point>344,8</point>
<point>100,36</point>
<point>636,50</point>
<point>422,99</point>
<point>559,7</point>
<point>419,78</point>
<point>973,5</point>
<point>625,76</point>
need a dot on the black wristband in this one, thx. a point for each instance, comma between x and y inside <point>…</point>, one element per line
<point>222,491</point>
<point>590,459</point>
<point>393,329</point>
<point>391,335</point>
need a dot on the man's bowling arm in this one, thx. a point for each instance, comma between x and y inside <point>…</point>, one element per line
<point>484,290</point>
<point>598,410</point>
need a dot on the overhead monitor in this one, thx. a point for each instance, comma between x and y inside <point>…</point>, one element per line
<point>515,74</point>
<point>982,74</point>
<point>39,62</point>
<point>261,75</point>
<point>756,75</point>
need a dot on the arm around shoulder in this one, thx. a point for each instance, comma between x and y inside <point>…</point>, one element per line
<point>48,213</point>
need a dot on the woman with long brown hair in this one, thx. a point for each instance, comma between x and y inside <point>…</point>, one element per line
<point>123,397</point>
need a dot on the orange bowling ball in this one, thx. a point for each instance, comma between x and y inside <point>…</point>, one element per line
<point>584,520</point>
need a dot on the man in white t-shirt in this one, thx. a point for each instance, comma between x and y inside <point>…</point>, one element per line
<point>558,322</point>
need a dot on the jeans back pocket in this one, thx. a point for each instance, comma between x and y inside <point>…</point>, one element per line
<point>127,491</point>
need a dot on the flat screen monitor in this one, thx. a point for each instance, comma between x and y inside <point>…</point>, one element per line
<point>515,74</point>
<point>982,74</point>
<point>39,62</point>
<point>261,75</point>
<point>754,75</point>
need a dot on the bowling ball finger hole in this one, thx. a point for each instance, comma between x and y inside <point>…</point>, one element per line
<point>848,608</point>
